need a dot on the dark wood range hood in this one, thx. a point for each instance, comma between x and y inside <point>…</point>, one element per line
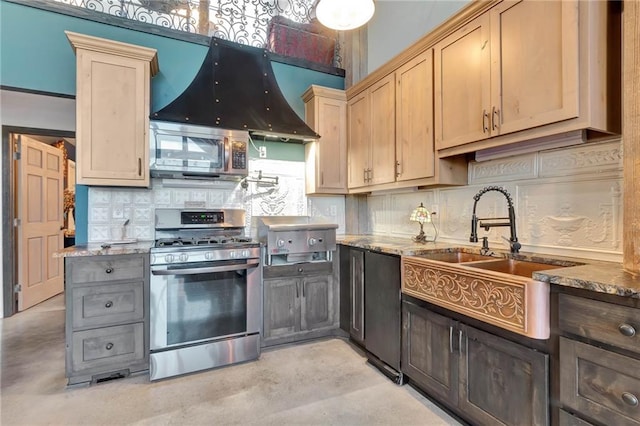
<point>235,89</point>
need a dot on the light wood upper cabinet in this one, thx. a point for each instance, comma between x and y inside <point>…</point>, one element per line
<point>326,158</point>
<point>371,123</point>
<point>462,91</point>
<point>358,119</point>
<point>112,111</point>
<point>523,70</point>
<point>414,118</point>
<point>383,131</point>
<point>534,58</point>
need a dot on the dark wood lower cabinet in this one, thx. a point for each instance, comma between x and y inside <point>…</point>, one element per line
<point>502,382</point>
<point>484,378</point>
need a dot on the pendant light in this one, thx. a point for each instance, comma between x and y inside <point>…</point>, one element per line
<point>344,14</point>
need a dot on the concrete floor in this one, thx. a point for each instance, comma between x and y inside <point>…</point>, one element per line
<point>323,382</point>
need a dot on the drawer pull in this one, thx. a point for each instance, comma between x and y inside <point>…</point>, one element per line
<point>627,330</point>
<point>109,270</point>
<point>109,346</point>
<point>630,399</point>
<point>108,304</point>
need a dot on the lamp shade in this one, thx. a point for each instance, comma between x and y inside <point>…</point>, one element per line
<point>420,214</point>
<point>344,14</point>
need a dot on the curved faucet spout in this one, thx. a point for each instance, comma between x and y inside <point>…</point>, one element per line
<point>513,241</point>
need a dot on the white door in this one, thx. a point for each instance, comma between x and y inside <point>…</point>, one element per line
<point>39,200</point>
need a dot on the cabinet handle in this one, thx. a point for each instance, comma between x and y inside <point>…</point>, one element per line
<point>321,178</point>
<point>627,330</point>
<point>297,290</point>
<point>139,166</point>
<point>485,121</point>
<point>304,284</point>
<point>109,346</point>
<point>630,399</point>
<point>398,168</point>
<point>451,339</point>
<point>108,270</point>
<point>370,175</point>
<point>459,342</point>
<point>364,171</point>
<point>108,304</point>
<point>494,121</point>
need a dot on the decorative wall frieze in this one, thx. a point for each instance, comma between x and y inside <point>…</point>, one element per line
<point>504,169</point>
<point>583,159</point>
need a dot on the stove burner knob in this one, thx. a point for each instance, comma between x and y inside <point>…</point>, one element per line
<point>312,241</point>
<point>208,255</point>
<point>169,258</point>
<point>184,257</point>
<point>280,243</point>
<point>245,253</point>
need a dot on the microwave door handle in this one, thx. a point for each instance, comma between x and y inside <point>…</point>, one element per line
<point>227,148</point>
<point>193,271</point>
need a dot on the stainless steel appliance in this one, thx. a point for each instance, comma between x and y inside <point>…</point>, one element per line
<point>197,152</point>
<point>294,239</point>
<point>206,295</point>
<point>301,298</point>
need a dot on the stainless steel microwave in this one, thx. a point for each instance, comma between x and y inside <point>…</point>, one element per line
<point>186,151</point>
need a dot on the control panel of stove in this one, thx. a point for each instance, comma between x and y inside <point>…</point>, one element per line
<point>201,218</point>
<point>173,255</point>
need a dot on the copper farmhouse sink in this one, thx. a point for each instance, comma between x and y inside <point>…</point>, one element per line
<point>521,268</point>
<point>499,291</point>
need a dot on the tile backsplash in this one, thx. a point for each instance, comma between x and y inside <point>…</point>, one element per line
<point>110,207</point>
<point>568,201</point>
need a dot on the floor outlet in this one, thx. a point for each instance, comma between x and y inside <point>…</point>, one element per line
<point>263,152</point>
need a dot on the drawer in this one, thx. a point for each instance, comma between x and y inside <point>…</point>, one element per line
<point>298,270</point>
<point>107,347</point>
<point>105,268</point>
<point>567,419</point>
<point>107,304</point>
<point>602,385</point>
<point>605,322</point>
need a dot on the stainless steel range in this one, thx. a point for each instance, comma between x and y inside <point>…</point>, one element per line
<point>206,295</point>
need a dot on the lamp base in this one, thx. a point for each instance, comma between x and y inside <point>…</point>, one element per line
<point>420,238</point>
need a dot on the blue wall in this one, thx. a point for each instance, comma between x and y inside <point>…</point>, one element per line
<point>35,54</point>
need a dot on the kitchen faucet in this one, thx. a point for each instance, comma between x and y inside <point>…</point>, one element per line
<point>511,220</point>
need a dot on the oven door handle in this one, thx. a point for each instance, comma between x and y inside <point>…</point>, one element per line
<point>193,271</point>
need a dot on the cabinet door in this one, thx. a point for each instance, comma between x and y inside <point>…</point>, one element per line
<point>358,117</point>
<point>382,122</point>
<point>502,382</point>
<point>428,355</point>
<point>357,294</point>
<point>462,85</point>
<point>382,306</point>
<point>281,307</point>
<point>331,149</point>
<point>414,117</point>
<point>112,119</point>
<point>599,384</point>
<point>534,57</point>
<point>316,303</point>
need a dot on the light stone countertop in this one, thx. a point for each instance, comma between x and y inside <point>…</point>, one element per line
<point>101,249</point>
<point>593,275</point>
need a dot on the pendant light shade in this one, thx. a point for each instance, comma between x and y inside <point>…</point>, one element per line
<point>344,14</point>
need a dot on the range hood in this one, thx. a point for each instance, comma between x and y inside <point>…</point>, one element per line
<point>235,89</point>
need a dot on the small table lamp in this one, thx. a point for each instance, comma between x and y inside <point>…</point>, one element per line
<point>421,215</point>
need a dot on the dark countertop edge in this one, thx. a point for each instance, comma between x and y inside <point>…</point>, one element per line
<point>96,249</point>
<point>594,275</point>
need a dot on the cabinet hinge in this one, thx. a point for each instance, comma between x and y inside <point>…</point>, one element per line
<point>16,222</point>
<point>16,155</point>
<point>17,288</point>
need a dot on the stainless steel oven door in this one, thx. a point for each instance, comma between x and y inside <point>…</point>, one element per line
<point>204,301</point>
